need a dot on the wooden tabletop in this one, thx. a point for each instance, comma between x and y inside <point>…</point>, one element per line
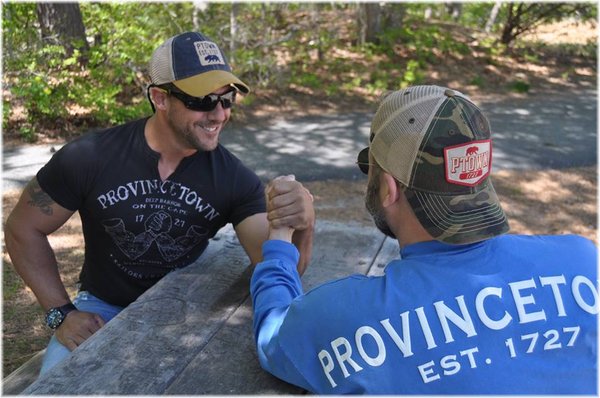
<point>192,332</point>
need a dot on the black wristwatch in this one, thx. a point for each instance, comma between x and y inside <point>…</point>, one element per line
<point>56,315</point>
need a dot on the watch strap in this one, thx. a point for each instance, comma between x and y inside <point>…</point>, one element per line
<point>56,315</point>
<point>65,309</point>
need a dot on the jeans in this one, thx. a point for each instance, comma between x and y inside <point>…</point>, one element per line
<point>86,302</point>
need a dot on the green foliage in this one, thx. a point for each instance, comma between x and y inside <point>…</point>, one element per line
<point>260,70</point>
<point>6,111</point>
<point>332,90</point>
<point>478,81</point>
<point>531,57</point>
<point>492,47</point>
<point>307,79</point>
<point>48,82</point>
<point>476,14</point>
<point>417,10</point>
<point>276,45</point>
<point>426,43</point>
<point>413,75</point>
<point>520,17</point>
<point>352,83</point>
<point>559,50</point>
<point>520,86</point>
<point>379,81</point>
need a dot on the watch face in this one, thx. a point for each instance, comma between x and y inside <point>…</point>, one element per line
<point>54,318</point>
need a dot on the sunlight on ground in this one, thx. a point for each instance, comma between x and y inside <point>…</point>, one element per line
<point>568,31</point>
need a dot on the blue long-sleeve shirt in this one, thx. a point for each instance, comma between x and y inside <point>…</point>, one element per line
<point>274,285</point>
<point>511,315</point>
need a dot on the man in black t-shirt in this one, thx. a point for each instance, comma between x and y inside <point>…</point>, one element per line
<point>150,193</point>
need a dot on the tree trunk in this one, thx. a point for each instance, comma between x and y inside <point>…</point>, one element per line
<point>493,15</point>
<point>369,22</point>
<point>315,23</point>
<point>233,28</point>
<point>454,10</point>
<point>428,13</point>
<point>512,21</point>
<point>523,17</point>
<point>199,7</point>
<point>393,15</point>
<point>62,24</point>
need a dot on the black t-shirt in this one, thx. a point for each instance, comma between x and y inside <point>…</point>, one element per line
<point>138,228</point>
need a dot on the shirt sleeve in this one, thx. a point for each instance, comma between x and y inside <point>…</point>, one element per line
<point>274,285</point>
<point>67,175</point>
<point>249,195</point>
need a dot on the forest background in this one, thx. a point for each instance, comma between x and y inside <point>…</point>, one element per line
<point>72,67</point>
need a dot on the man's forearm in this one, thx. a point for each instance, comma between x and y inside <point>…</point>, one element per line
<point>303,240</point>
<point>35,216</point>
<point>35,262</point>
<point>274,279</point>
<point>289,204</point>
<point>274,285</point>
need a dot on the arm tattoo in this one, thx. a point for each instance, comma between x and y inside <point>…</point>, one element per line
<point>39,198</point>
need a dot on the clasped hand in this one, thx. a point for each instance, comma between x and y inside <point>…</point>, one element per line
<point>77,327</point>
<point>289,207</point>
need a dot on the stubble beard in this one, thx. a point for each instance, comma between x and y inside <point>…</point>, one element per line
<point>186,136</point>
<point>375,209</point>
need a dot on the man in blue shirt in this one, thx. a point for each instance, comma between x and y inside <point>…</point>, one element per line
<point>466,310</point>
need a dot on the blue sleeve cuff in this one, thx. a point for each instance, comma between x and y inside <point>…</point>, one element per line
<point>282,251</point>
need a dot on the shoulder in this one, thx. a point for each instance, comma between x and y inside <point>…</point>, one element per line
<point>94,143</point>
<point>558,241</point>
<point>572,249</point>
<point>226,163</point>
<point>574,243</point>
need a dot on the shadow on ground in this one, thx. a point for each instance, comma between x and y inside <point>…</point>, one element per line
<point>550,130</point>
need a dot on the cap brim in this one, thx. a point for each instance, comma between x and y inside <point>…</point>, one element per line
<point>460,219</point>
<point>206,83</point>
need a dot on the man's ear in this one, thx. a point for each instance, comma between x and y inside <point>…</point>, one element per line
<point>391,193</point>
<point>158,97</point>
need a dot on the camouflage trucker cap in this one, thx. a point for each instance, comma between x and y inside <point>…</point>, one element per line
<point>437,143</point>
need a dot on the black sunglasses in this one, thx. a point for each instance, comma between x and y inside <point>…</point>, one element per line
<point>363,160</point>
<point>201,104</point>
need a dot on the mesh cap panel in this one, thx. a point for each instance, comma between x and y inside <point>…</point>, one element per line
<point>437,143</point>
<point>161,64</point>
<point>399,127</point>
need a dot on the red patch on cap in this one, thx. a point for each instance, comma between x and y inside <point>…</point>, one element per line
<point>468,164</point>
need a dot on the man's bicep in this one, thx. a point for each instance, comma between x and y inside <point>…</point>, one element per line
<point>251,233</point>
<point>36,210</point>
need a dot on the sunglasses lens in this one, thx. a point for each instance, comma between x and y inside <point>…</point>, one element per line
<point>228,99</point>
<point>363,160</point>
<point>210,101</point>
<point>206,103</point>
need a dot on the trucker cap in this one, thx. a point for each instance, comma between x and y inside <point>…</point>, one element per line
<point>194,64</point>
<point>437,143</point>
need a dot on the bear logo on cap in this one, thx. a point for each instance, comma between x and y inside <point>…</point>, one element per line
<point>468,164</point>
